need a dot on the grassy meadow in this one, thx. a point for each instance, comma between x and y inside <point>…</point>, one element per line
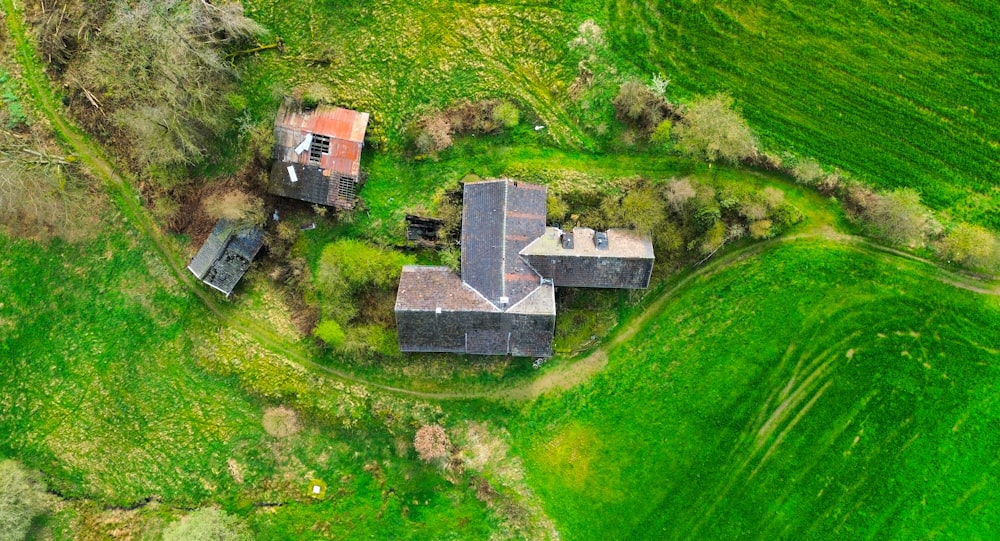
<point>812,389</point>
<point>895,95</point>
<point>124,392</point>
<point>813,392</point>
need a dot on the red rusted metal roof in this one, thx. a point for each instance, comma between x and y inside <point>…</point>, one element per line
<point>333,122</point>
<point>344,128</point>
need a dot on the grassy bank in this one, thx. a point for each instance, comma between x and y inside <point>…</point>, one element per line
<point>815,390</point>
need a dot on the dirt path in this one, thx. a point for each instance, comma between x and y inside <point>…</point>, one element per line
<point>556,379</point>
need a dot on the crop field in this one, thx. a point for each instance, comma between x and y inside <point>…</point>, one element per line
<point>899,95</point>
<point>814,391</point>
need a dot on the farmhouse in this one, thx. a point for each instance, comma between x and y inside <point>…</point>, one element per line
<point>226,255</point>
<point>504,301</point>
<point>317,155</point>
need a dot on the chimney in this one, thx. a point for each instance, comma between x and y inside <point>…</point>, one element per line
<point>601,240</point>
<point>566,239</point>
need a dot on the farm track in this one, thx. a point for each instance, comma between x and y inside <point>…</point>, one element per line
<point>556,379</point>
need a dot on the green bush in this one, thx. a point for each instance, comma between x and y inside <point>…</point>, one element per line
<point>363,265</point>
<point>330,332</point>
<point>972,246</point>
<point>20,501</point>
<point>661,135</point>
<point>506,114</point>
<point>712,130</point>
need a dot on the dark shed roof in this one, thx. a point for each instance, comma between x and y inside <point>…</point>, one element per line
<point>226,255</point>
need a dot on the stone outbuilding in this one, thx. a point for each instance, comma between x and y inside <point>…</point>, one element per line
<point>503,303</point>
<point>226,255</point>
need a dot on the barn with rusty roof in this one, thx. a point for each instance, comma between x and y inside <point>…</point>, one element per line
<point>317,155</point>
<point>504,301</point>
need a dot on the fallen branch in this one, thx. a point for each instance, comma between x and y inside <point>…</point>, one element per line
<point>278,44</point>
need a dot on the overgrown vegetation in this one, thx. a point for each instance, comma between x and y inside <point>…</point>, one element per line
<point>356,284</point>
<point>712,130</point>
<point>21,500</point>
<point>208,524</point>
<point>156,82</point>
<point>434,130</point>
<point>753,396</point>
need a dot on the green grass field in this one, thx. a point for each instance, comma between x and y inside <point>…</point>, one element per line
<point>812,392</point>
<point>121,388</point>
<point>899,95</point>
<point>812,389</point>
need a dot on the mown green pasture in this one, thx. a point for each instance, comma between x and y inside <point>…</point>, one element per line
<point>898,94</point>
<point>814,391</point>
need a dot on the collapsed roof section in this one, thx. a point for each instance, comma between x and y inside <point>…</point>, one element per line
<point>226,255</point>
<point>318,155</point>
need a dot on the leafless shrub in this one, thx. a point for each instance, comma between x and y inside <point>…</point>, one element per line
<point>236,206</point>
<point>807,171</point>
<point>432,443</point>
<point>281,422</point>
<point>637,105</point>
<point>679,192</point>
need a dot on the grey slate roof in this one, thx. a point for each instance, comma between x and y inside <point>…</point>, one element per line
<point>504,301</point>
<point>626,261</point>
<point>435,289</point>
<point>499,218</point>
<point>226,255</point>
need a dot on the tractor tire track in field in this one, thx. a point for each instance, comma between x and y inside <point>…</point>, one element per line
<point>557,378</point>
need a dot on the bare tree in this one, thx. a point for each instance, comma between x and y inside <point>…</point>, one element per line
<point>159,72</point>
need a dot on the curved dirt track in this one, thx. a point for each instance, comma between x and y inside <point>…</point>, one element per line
<point>557,378</point>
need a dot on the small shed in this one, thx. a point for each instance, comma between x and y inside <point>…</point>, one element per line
<point>317,155</point>
<point>226,255</point>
